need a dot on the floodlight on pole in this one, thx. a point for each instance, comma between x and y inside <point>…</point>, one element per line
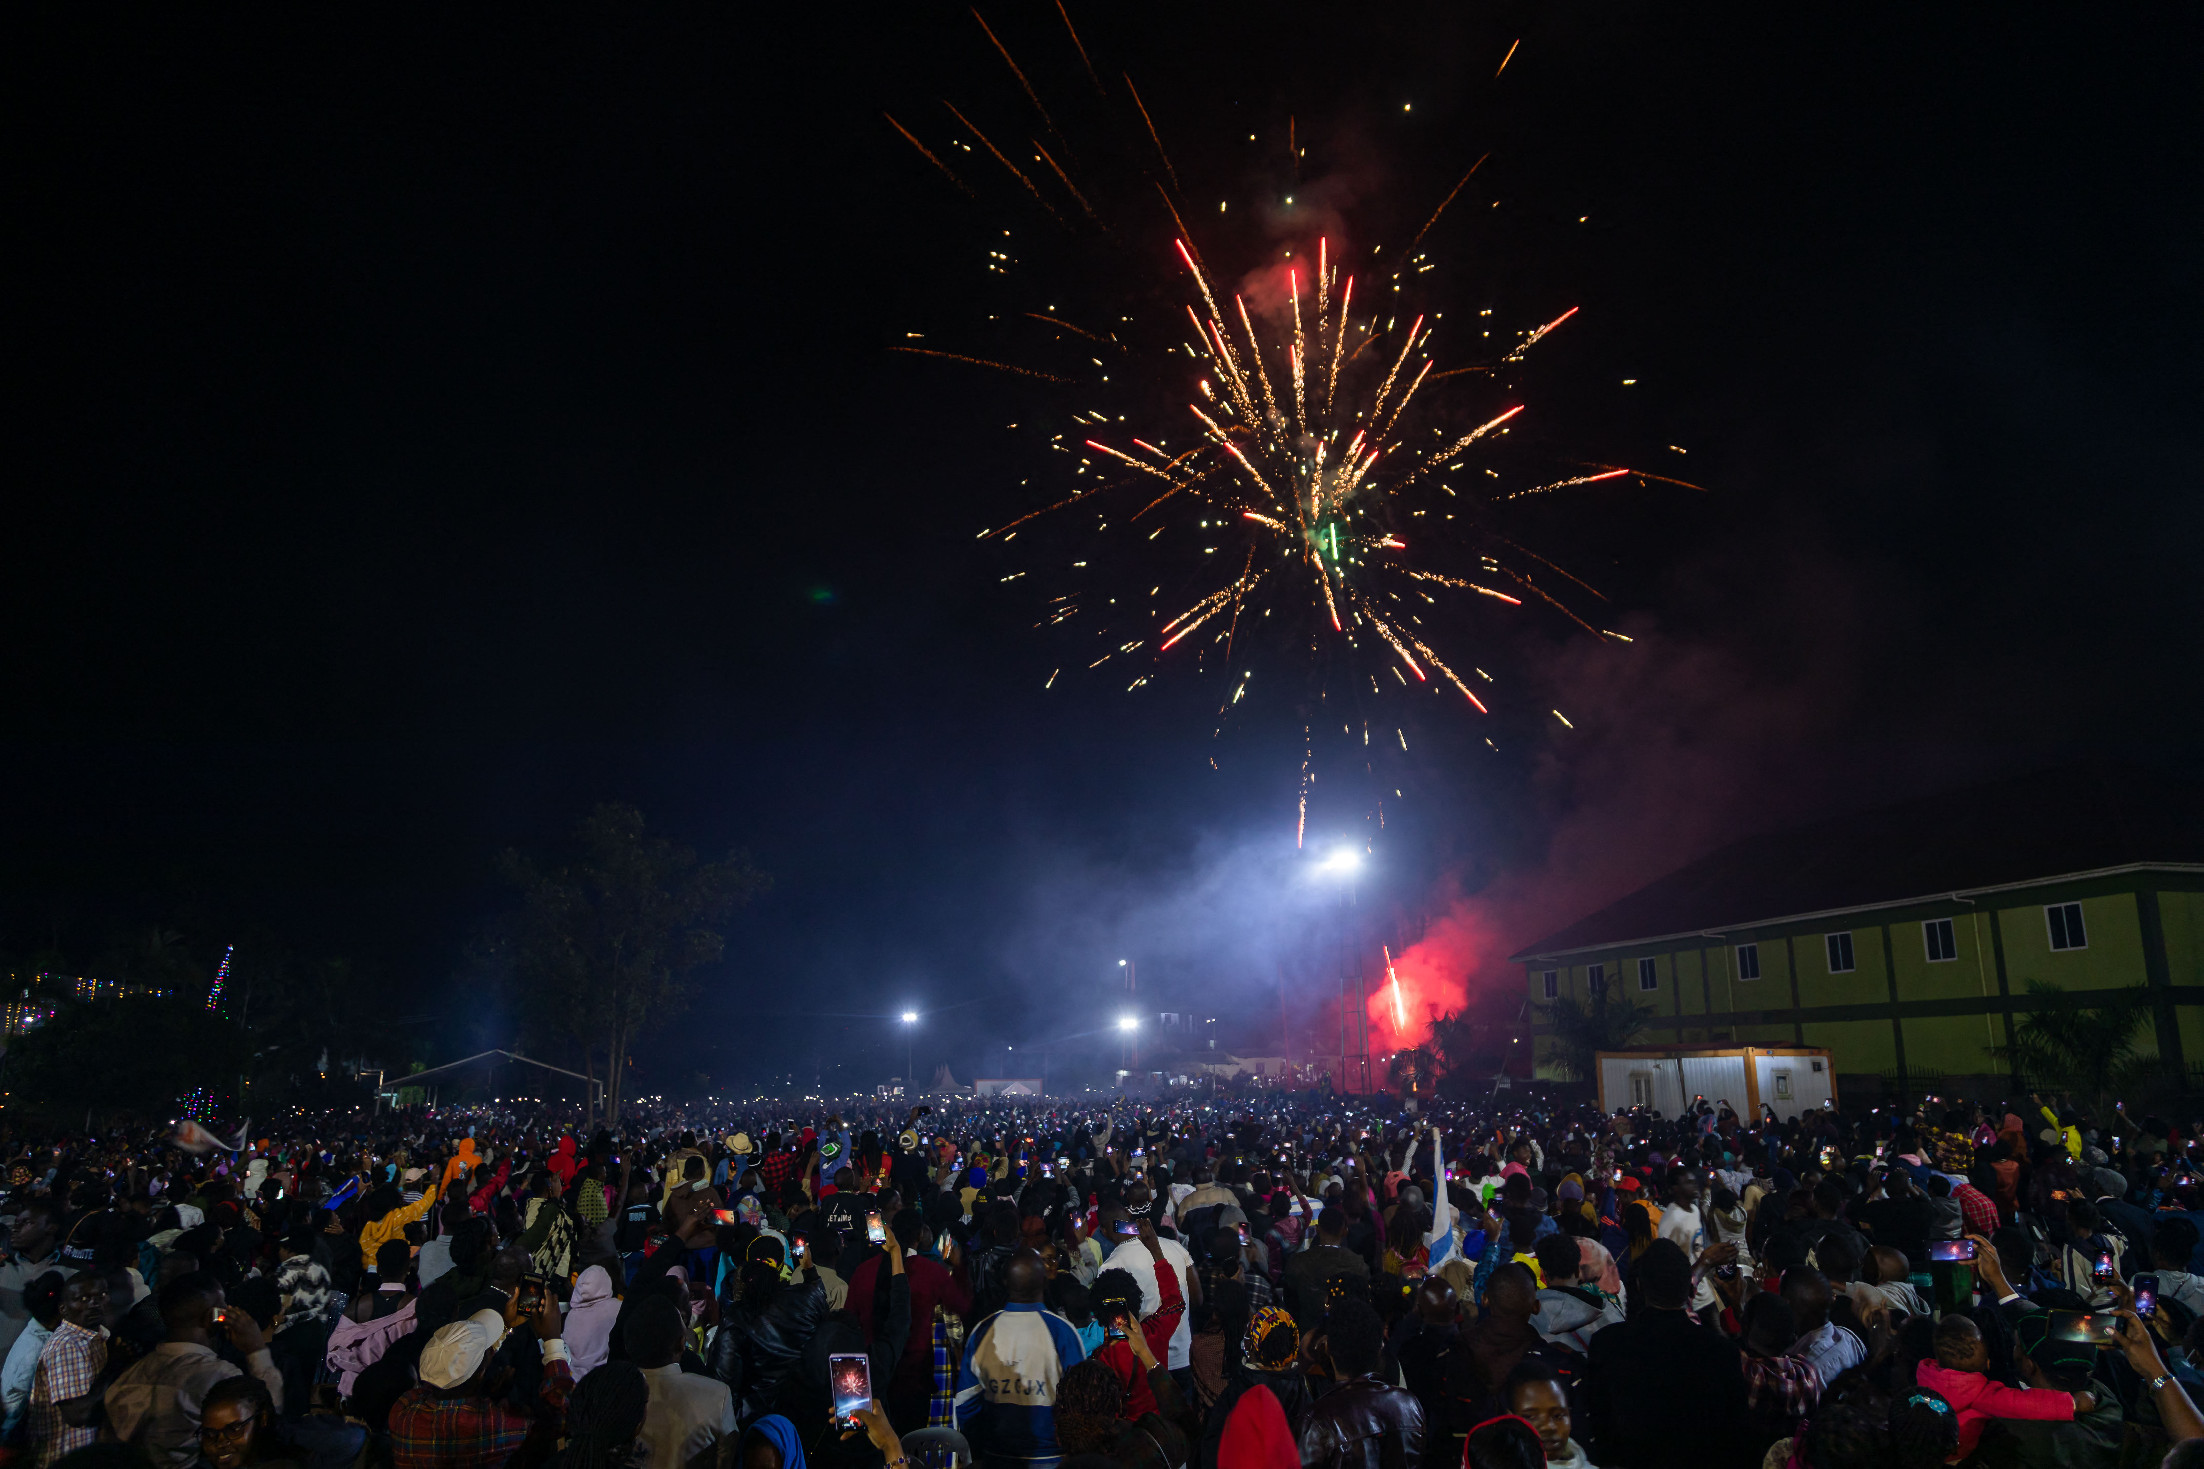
<point>1128,1023</point>
<point>1344,862</point>
<point>910,1049</point>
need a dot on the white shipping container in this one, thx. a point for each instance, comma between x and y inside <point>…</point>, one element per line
<point>1787,1079</point>
<point>1792,1083</point>
<point>1718,1079</point>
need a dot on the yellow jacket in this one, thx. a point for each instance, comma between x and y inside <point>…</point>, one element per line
<point>379,1232</point>
<point>2071,1136</point>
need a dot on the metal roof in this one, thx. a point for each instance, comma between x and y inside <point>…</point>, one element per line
<point>2062,824</point>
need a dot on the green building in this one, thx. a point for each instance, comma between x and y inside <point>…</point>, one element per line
<point>1905,939</point>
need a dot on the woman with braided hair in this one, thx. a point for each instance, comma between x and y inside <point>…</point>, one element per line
<point>1270,1358</point>
<point>1091,1418</point>
<point>603,1418</point>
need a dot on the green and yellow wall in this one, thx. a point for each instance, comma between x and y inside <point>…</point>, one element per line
<point>1898,1015</point>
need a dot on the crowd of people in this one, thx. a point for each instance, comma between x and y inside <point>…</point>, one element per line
<point>1283,1282</point>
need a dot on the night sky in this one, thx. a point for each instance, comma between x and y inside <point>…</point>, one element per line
<point>420,434</point>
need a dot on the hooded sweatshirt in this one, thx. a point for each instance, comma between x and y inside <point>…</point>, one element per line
<point>1257,1436</point>
<point>1977,1400</point>
<point>563,1163</point>
<point>589,1319</point>
<point>459,1162</point>
<point>1567,1319</point>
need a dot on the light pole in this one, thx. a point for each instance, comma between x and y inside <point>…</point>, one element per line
<point>910,1082</point>
<point>1129,1027</point>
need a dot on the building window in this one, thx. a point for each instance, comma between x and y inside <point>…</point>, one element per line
<point>2066,926</point>
<point>1641,1089</point>
<point>1937,935</point>
<point>1595,978</point>
<point>1748,961</point>
<point>1840,953</point>
<point>1550,983</point>
<point>1649,975</point>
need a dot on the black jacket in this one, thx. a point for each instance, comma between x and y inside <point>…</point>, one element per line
<point>756,1352</point>
<point>1362,1424</point>
<point>1661,1391</point>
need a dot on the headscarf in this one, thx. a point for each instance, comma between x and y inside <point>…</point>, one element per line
<point>589,1319</point>
<point>306,1292</point>
<point>780,1433</point>
<point>1272,1342</point>
<point>1571,1193</point>
<point>1256,1435</point>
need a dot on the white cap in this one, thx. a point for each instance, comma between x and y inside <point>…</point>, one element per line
<point>456,1352</point>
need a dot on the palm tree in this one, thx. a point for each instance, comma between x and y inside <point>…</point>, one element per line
<point>1580,1029</point>
<point>1415,1071</point>
<point>2092,1050</point>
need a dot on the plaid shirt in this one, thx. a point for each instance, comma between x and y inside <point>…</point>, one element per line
<point>68,1365</point>
<point>1791,1384</point>
<point>1975,1207</point>
<point>429,1430</point>
<point>941,1405</point>
<point>774,1168</point>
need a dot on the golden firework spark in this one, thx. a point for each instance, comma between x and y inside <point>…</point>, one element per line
<point>1313,503</point>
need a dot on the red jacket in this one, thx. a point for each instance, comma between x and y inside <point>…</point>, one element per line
<point>1977,1400</point>
<point>1140,1399</point>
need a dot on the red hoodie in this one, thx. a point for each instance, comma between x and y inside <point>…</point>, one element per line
<point>563,1162</point>
<point>1978,1400</point>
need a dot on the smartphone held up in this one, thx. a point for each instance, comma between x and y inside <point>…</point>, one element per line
<point>850,1373</point>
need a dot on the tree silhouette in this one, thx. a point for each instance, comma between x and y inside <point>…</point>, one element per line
<point>2090,1050</point>
<point>1580,1029</point>
<point>605,943</point>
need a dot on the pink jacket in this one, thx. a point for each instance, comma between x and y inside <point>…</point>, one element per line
<point>355,1346</point>
<point>1978,1400</point>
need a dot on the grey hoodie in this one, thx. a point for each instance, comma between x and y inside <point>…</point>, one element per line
<point>1567,1319</point>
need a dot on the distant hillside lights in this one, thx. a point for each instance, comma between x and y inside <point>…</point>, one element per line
<point>39,1001</point>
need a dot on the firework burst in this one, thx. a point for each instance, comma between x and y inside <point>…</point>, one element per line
<point>1289,463</point>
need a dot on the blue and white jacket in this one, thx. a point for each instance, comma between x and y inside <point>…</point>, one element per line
<point>1006,1389</point>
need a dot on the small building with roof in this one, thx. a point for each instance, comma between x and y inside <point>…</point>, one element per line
<point>1906,939</point>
